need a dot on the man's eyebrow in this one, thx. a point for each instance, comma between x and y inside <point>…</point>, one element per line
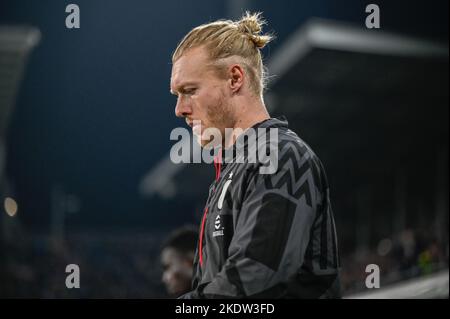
<point>182,87</point>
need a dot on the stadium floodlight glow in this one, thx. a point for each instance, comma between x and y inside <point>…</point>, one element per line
<point>10,206</point>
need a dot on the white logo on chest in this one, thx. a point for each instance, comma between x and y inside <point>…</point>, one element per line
<point>218,227</point>
<point>217,222</point>
<point>224,191</point>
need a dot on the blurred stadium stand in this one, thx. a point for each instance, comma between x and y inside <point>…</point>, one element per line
<point>16,43</point>
<point>113,265</point>
<point>15,46</point>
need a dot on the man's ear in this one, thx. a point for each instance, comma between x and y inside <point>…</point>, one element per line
<point>236,77</point>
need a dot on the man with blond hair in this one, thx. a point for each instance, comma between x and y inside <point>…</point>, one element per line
<point>262,235</point>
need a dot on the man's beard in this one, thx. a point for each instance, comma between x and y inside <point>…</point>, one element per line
<point>220,116</point>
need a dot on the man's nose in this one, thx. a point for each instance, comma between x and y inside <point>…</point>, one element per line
<point>183,108</point>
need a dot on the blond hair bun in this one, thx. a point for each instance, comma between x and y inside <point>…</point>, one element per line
<point>251,24</point>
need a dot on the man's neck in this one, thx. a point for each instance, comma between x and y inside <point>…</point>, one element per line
<point>249,115</point>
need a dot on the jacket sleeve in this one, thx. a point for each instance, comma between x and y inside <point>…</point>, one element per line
<point>271,232</point>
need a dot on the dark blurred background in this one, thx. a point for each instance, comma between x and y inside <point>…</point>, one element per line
<point>88,136</point>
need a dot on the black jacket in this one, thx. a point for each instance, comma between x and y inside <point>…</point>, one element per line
<point>268,235</point>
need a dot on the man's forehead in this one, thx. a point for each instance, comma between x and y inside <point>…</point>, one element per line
<point>170,254</point>
<point>167,254</point>
<point>195,54</point>
<point>188,67</point>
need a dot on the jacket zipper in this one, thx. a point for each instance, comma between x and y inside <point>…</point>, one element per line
<point>218,168</point>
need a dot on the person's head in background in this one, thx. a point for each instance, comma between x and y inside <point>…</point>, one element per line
<point>177,258</point>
